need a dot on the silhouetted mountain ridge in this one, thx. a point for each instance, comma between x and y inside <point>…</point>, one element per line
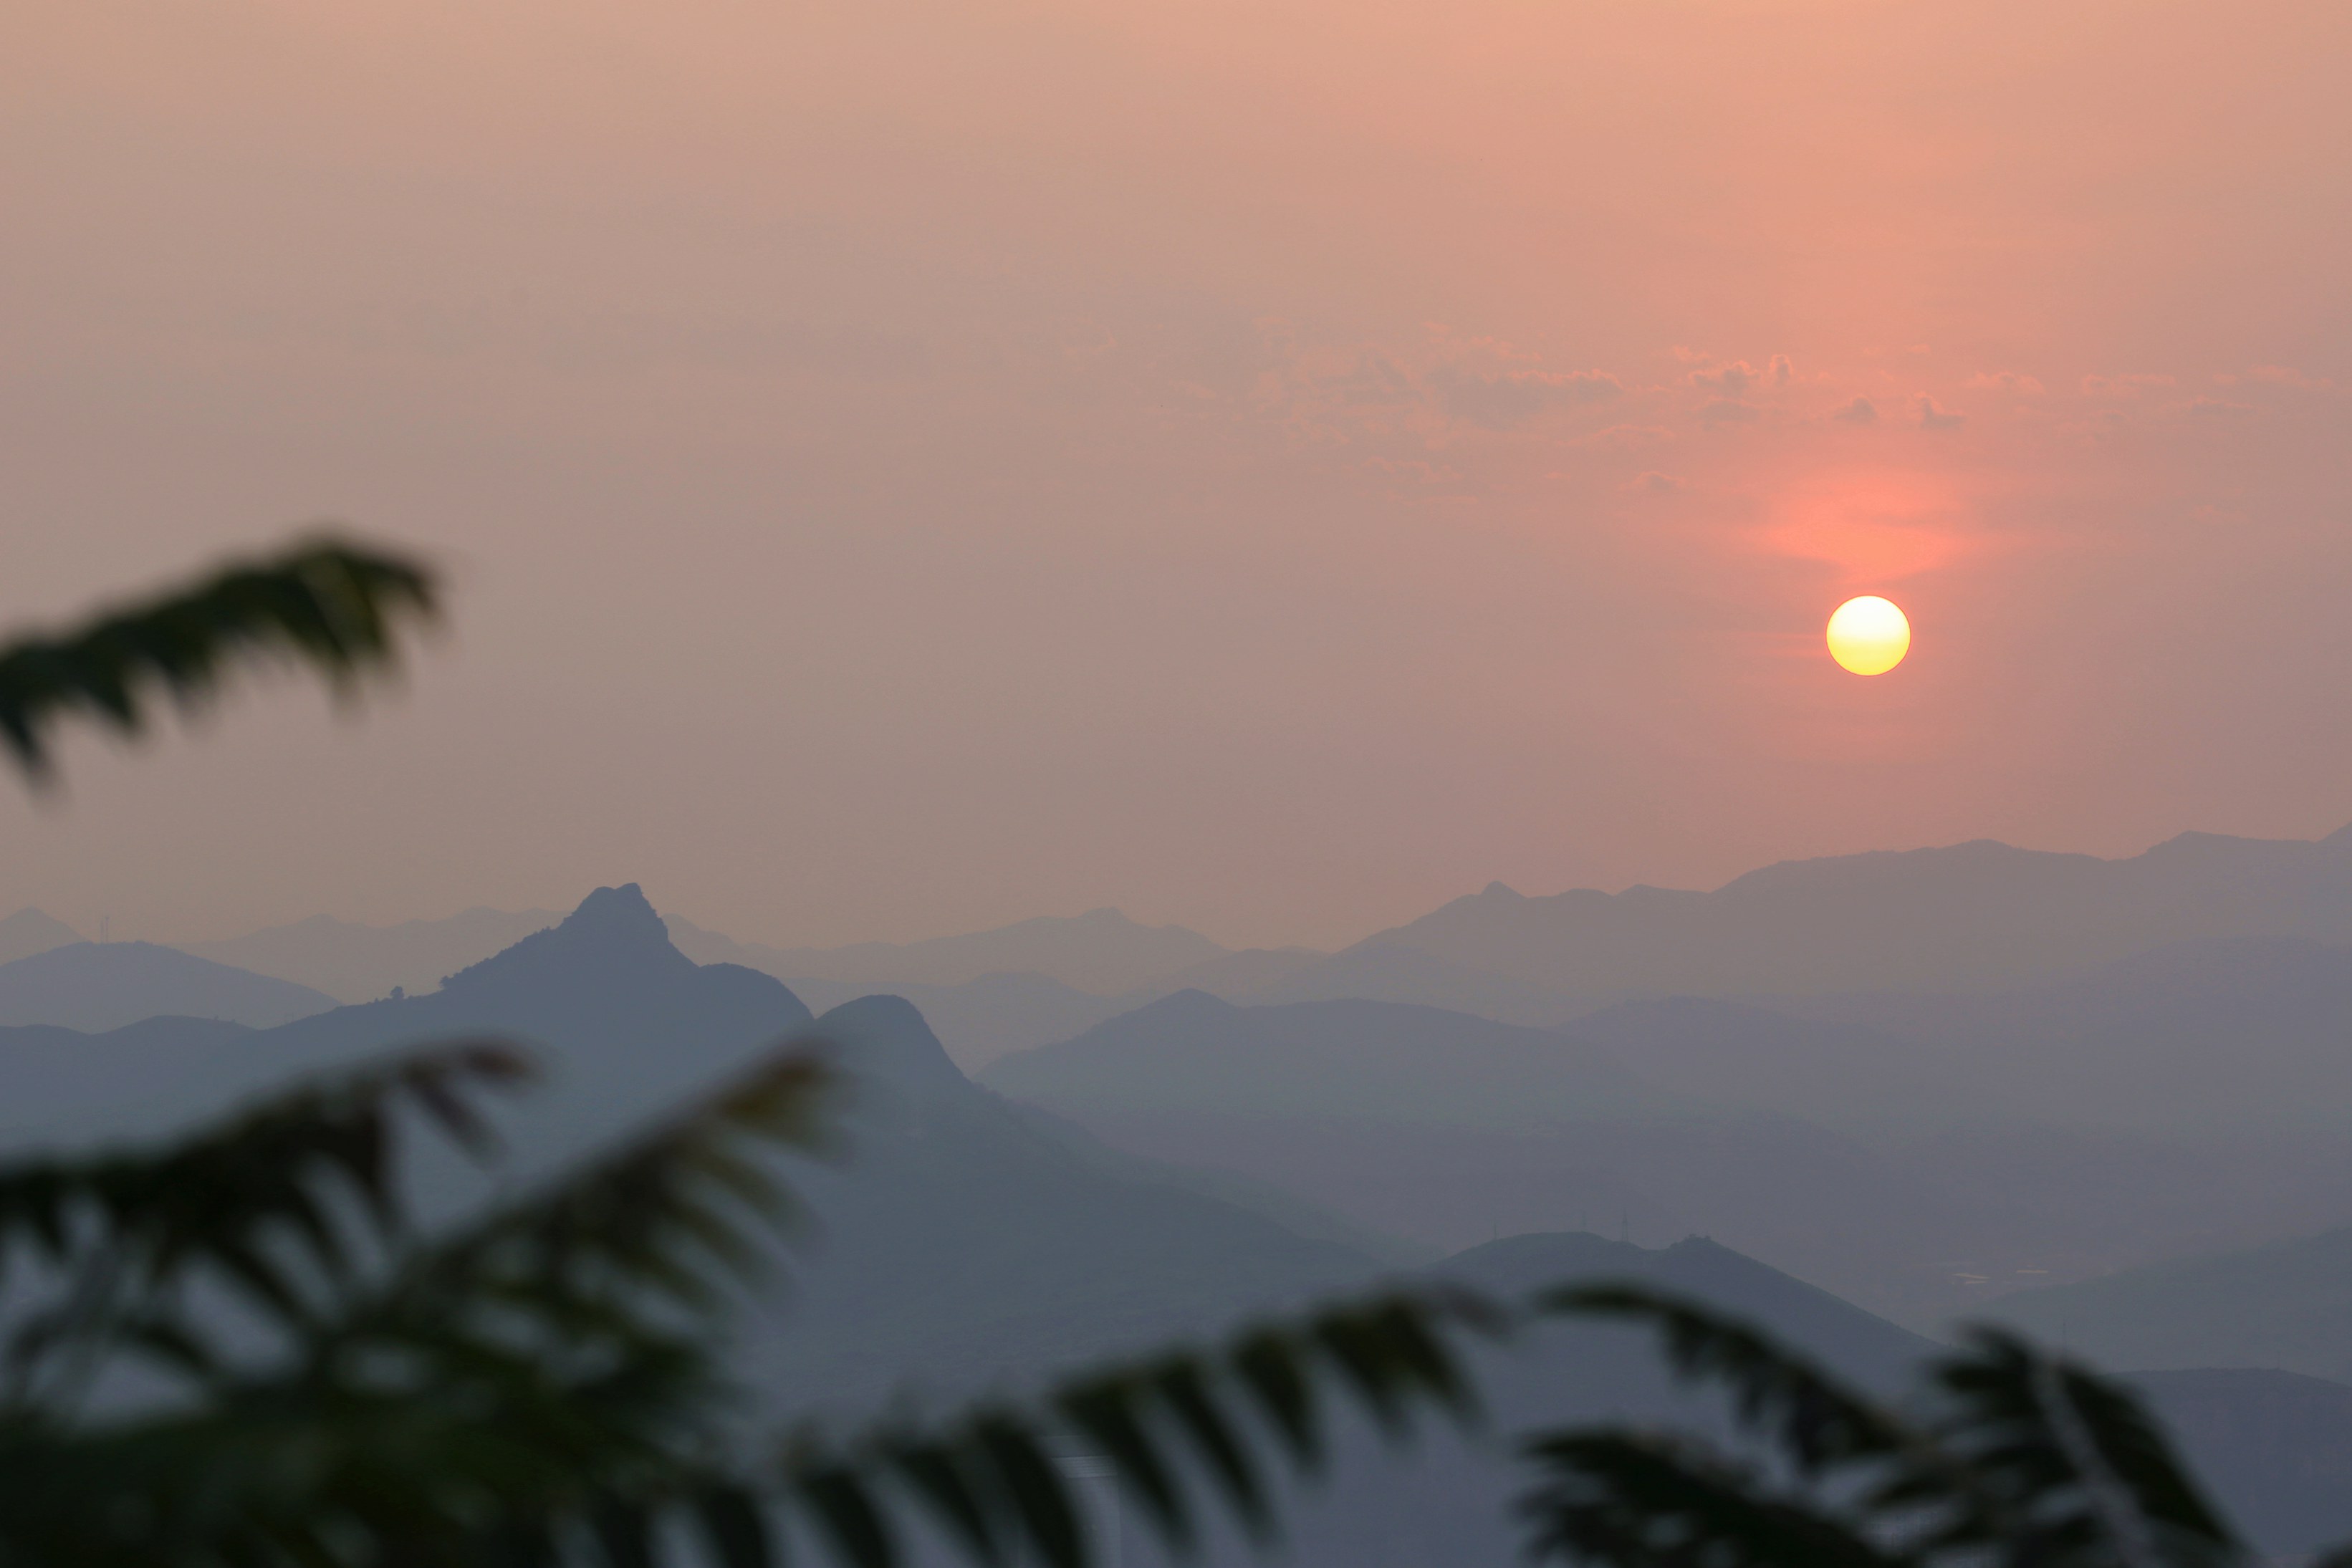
<point>1965,917</point>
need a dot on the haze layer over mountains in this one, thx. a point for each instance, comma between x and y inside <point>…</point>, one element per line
<point>1973,917</point>
<point>975,1239</point>
<point>2112,1100</point>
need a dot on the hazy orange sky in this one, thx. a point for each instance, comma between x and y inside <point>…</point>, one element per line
<point>1272,466</point>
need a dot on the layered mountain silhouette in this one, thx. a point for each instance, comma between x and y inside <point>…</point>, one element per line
<point>106,985</point>
<point>2198,1036</point>
<point>1921,1156</point>
<point>1969,918</point>
<point>2287,1305</point>
<point>1973,915</point>
<point>969,1242</point>
<point>1973,918</point>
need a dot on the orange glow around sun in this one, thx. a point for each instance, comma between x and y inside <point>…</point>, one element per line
<point>1869,635</point>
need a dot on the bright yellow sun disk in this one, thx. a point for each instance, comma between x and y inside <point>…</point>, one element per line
<point>1869,635</point>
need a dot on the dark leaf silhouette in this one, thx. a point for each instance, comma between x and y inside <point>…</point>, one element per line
<point>542,1382</point>
<point>2017,1458</point>
<point>331,606</point>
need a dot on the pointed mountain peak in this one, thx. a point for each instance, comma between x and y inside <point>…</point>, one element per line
<point>617,909</point>
<point>614,932</point>
<point>887,1037</point>
<point>1501,891</point>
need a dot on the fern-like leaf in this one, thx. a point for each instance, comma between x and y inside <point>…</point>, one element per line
<point>1635,1499</point>
<point>331,606</point>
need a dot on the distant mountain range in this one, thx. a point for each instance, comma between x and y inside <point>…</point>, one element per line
<point>1919,1158</point>
<point>1971,919</point>
<point>2287,1305</point>
<point>106,985</point>
<point>1974,918</point>
<point>974,1242</point>
<point>2210,1034</point>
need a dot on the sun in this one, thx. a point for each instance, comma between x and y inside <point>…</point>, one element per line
<point>1869,635</point>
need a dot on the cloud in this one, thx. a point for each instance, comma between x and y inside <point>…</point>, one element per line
<point>2202,407</point>
<point>1882,526</point>
<point>2279,376</point>
<point>2010,381</point>
<point>1653,483</point>
<point>1783,371</point>
<point>2123,386</point>
<point>1627,436</point>
<point>1498,400</point>
<point>1860,411</point>
<point>1732,379</point>
<point>1728,411</point>
<point>1934,418</point>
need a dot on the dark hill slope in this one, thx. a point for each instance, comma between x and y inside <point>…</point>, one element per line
<point>58,1083</point>
<point>966,1242</point>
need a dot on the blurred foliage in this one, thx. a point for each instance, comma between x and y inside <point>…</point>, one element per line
<point>323,604</point>
<point>244,1348</point>
<point>2012,1458</point>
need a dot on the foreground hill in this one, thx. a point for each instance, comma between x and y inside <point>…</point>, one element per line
<point>106,985</point>
<point>967,1241</point>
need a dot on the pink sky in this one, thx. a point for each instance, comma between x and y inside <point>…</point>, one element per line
<point>1270,466</point>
